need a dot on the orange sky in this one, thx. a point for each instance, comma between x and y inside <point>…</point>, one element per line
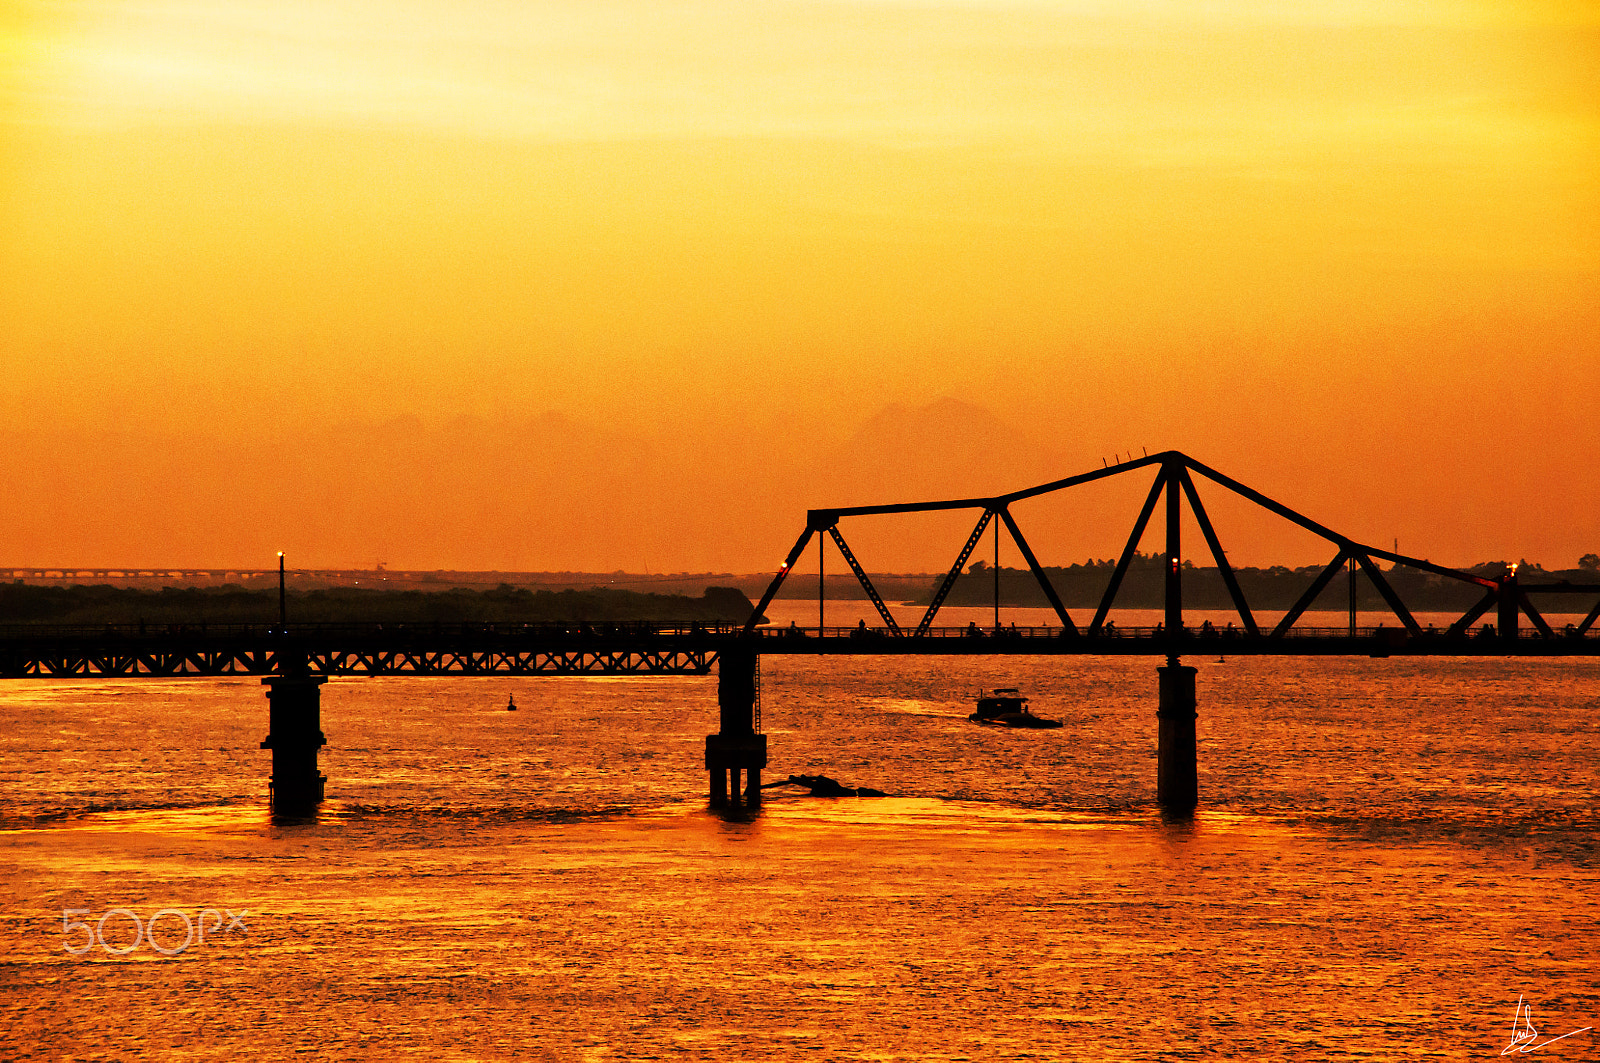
<point>617,284</point>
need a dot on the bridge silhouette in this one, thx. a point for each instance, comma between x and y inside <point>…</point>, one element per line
<point>294,660</point>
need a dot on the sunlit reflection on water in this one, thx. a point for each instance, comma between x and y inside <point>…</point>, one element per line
<point>1386,856</point>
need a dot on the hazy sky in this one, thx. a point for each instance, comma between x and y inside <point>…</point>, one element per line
<point>283,261</point>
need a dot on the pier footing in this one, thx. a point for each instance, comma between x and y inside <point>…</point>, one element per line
<point>294,736</point>
<point>735,763</point>
<point>1176,786</point>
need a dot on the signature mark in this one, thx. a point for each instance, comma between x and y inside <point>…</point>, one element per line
<point>1524,1033</point>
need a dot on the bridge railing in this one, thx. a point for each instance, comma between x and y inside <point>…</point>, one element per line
<point>568,631</point>
<point>1190,634</point>
<point>554,630</point>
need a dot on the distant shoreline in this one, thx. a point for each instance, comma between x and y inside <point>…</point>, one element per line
<point>22,604</point>
<point>1079,586</point>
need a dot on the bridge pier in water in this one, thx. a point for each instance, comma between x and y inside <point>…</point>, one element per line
<point>1176,787</point>
<point>294,736</point>
<point>736,754</point>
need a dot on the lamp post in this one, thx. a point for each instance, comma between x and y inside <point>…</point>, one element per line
<point>283,602</point>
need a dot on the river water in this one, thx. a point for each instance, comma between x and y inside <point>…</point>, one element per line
<point>1388,855</point>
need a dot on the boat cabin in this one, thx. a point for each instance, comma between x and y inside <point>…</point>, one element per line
<point>1000,701</point>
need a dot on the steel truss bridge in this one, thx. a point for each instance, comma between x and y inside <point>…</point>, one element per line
<point>1174,483</point>
<point>295,660</point>
<point>426,649</point>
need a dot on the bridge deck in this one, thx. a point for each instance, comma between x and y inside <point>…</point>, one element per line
<point>634,649</point>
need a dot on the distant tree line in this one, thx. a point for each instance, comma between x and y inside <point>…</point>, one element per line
<point>22,603</point>
<point>1143,586</point>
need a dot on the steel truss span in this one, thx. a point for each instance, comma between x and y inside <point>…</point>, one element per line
<point>1509,600</point>
<point>350,652</point>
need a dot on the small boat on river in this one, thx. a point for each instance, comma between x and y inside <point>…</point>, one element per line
<point>1006,707</point>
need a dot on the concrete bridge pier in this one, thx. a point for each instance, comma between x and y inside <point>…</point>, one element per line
<point>736,748</point>
<point>1176,787</point>
<point>294,736</point>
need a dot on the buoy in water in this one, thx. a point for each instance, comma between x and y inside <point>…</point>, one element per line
<point>511,703</point>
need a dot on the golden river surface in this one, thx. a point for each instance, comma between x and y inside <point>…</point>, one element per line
<point>1389,854</point>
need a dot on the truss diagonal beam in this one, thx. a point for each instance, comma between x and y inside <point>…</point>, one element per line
<point>1305,600</point>
<point>1223,567</point>
<point>1268,504</point>
<point>1487,602</point>
<point>954,573</point>
<point>1588,621</point>
<point>1038,573</point>
<point>866,584</point>
<point>1128,552</point>
<point>777,581</point>
<point>1399,607</point>
<point>1534,615</point>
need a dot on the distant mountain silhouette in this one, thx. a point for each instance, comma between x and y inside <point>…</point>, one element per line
<point>948,448</point>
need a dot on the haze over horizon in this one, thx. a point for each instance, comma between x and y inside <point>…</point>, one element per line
<point>622,285</point>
